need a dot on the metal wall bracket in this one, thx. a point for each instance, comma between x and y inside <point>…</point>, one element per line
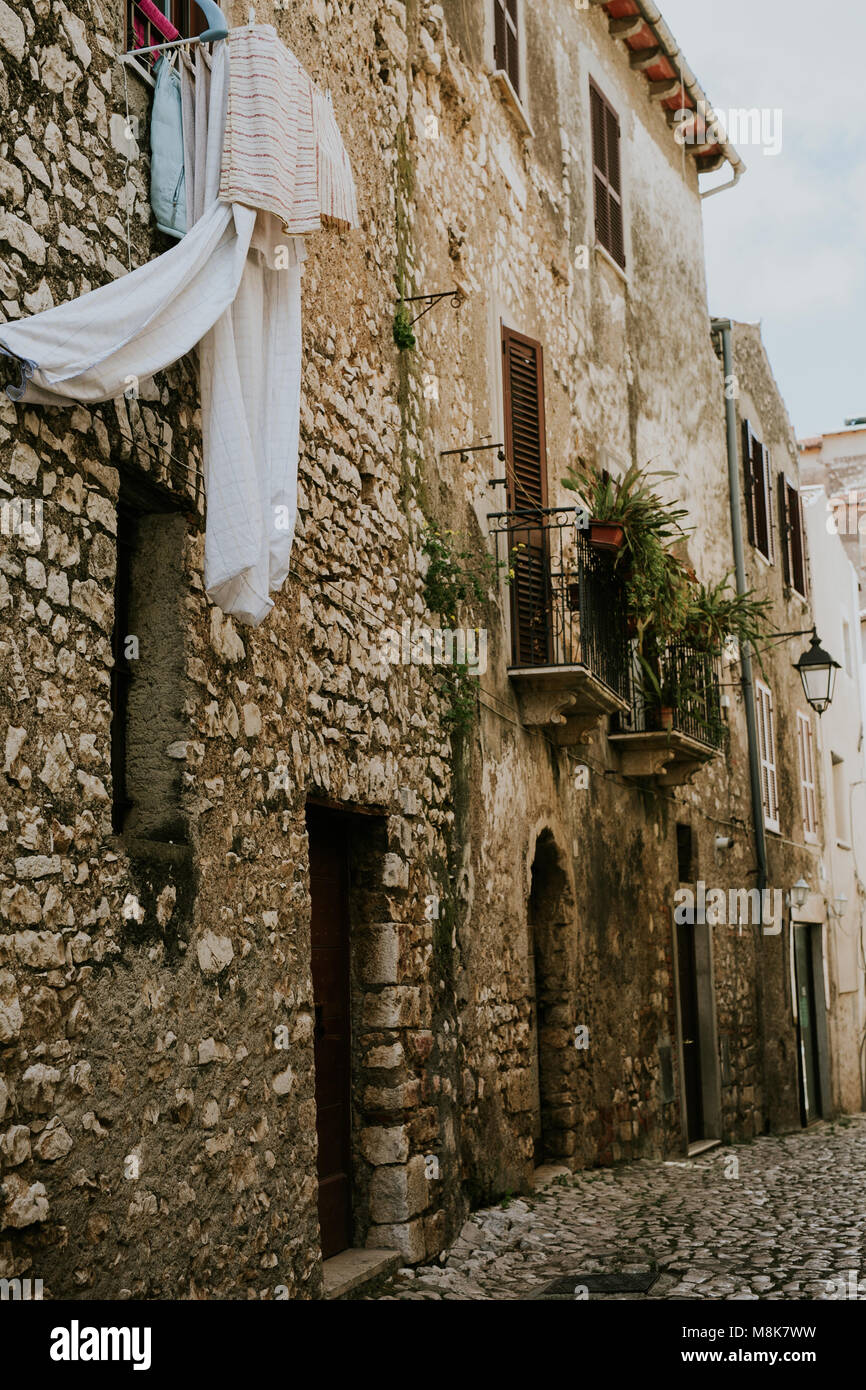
<point>457,296</point>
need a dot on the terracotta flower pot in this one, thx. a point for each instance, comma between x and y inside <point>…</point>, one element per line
<point>666,718</point>
<point>606,535</point>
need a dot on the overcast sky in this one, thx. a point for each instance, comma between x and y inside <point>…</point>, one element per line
<point>787,246</point>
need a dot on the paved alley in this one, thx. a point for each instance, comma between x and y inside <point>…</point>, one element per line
<point>778,1218</point>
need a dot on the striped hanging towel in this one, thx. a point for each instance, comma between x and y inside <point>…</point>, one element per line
<point>282,150</point>
<point>269,151</point>
<point>338,203</point>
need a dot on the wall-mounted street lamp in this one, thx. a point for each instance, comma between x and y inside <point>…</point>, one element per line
<point>840,902</point>
<point>817,668</point>
<point>799,893</point>
<point>818,674</point>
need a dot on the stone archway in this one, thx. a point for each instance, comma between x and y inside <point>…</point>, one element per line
<point>551,964</point>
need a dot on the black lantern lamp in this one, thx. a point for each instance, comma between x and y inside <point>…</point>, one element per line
<point>818,674</point>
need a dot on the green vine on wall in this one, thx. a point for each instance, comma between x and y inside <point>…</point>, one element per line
<point>456,578</point>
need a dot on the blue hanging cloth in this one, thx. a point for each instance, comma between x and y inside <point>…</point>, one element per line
<point>167,174</point>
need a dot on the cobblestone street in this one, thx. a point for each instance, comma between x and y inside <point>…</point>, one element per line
<point>785,1220</point>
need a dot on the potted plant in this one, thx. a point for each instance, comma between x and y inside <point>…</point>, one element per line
<point>717,611</point>
<point>663,690</point>
<point>624,512</point>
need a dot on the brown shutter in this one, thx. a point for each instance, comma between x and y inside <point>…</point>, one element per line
<point>526,472</point>
<point>614,178</point>
<point>758,471</point>
<point>770,503</point>
<point>784,528</point>
<point>798,549</point>
<point>749,480</point>
<point>525,437</point>
<point>607,175</point>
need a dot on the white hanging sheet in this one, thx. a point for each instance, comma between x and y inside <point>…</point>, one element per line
<point>219,288</point>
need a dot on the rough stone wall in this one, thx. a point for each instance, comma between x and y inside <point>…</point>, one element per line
<point>156,1012</point>
<point>789,857</point>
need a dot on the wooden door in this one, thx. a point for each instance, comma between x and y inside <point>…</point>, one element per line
<point>329,939</point>
<point>687,976</point>
<point>810,1088</point>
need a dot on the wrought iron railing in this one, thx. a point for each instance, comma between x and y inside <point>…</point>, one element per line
<point>679,690</point>
<point>567,597</point>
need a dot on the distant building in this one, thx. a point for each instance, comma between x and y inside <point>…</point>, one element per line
<point>837,463</point>
<point>840,785</point>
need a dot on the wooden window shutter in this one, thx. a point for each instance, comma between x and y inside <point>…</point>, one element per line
<point>767,751</point>
<point>770,503</point>
<point>525,435</point>
<point>808,791</point>
<point>763,499</point>
<point>757,478</point>
<point>526,473</point>
<point>784,528</point>
<point>607,175</point>
<point>506,40</point>
<point>797,539</point>
<point>749,481</point>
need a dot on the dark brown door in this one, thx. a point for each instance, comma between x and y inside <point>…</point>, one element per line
<point>688,989</point>
<point>810,1086</point>
<point>329,939</point>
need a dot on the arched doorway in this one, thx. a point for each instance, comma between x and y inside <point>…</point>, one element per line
<point>551,966</point>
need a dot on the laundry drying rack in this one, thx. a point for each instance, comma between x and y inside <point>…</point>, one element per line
<point>145,19</point>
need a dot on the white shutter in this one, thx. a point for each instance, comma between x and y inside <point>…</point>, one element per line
<point>808,790</point>
<point>767,752</point>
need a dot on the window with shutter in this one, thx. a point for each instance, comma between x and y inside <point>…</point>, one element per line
<point>506,40</point>
<point>607,175</point>
<point>749,481</point>
<point>526,473</point>
<point>796,531</point>
<point>808,791</point>
<point>759,492</point>
<point>784,528</point>
<point>767,754</point>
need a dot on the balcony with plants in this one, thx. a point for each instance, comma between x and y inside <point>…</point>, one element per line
<point>672,723</point>
<point>609,618</point>
<point>569,638</point>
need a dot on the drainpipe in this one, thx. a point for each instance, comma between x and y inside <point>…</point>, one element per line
<point>723,328</point>
<point>652,17</point>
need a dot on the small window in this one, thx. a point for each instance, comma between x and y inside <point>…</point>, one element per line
<point>151,22</point>
<point>607,175</point>
<point>840,800</point>
<point>506,40</point>
<point>767,751</point>
<point>759,493</point>
<point>808,791</point>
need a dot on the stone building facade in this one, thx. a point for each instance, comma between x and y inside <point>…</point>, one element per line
<point>185,817</point>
